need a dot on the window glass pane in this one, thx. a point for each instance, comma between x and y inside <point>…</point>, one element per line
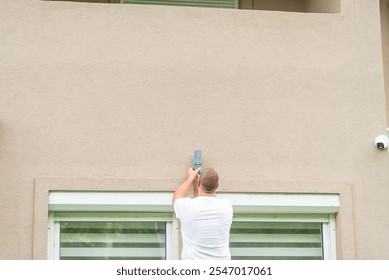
<point>113,240</point>
<point>276,241</point>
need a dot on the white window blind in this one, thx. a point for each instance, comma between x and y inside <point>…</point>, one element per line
<point>112,240</point>
<point>276,241</point>
<point>192,3</point>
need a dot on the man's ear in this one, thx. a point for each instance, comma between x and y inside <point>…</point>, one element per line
<point>198,183</point>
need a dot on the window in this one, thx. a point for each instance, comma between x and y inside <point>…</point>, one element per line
<point>111,236</point>
<point>140,225</point>
<point>113,240</point>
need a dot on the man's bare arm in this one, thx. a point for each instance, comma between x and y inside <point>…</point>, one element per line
<point>183,189</point>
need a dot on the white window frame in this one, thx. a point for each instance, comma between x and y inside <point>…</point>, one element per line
<point>132,206</point>
<point>327,221</point>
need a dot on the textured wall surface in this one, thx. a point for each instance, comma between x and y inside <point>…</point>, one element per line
<point>128,91</point>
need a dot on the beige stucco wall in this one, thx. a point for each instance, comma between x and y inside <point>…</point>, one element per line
<point>113,91</point>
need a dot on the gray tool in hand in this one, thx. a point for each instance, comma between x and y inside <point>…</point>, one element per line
<point>197,159</point>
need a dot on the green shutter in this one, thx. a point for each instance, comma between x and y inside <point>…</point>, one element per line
<point>276,241</point>
<point>113,240</point>
<point>193,3</point>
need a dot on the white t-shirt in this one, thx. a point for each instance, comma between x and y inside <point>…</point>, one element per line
<point>205,227</point>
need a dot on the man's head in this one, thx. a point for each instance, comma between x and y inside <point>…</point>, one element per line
<point>209,180</point>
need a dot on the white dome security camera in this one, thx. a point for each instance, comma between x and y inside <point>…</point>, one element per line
<point>382,142</point>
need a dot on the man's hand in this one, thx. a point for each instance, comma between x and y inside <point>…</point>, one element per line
<point>193,174</point>
<point>183,189</point>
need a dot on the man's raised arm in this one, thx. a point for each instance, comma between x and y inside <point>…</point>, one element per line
<point>183,189</point>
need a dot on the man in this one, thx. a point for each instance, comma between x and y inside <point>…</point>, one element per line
<point>205,220</point>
